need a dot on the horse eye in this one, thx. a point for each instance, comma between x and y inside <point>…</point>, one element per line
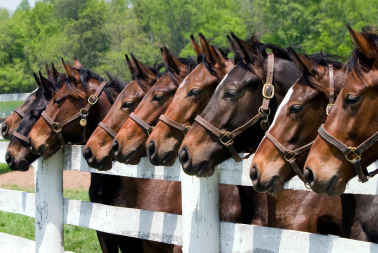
<point>351,99</point>
<point>58,101</point>
<point>296,109</point>
<point>127,105</point>
<point>157,97</point>
<point>194,93</point>
<point>231,93</point>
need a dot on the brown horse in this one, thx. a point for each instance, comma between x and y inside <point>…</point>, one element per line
<point>129,144</point>
<point>98,151</point>
<point>301,113</point>
<point>352,121</point>
<point>237,100</point>
<point>12,122</point>
<point>191,98</point>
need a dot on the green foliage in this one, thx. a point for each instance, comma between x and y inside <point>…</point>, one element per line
<point>101,32</point>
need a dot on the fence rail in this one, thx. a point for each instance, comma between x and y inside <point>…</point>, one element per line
<point>13,97</point>
<point>197,230</point>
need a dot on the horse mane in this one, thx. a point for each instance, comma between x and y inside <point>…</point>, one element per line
<point>189,63</point>
<point>357,61</point>
<point>323,60</point>
<point>115,85</point>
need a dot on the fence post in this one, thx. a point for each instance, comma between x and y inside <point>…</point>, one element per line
<point>48,176</point>
<point>200,213</point>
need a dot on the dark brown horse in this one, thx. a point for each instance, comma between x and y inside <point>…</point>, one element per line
<point>304,109</point>
<point>129,144</point>
<point>98,151</point>
<point>236,101</point>
<point>352,121</point>
<point>12,122</point>
<point>191,98</point>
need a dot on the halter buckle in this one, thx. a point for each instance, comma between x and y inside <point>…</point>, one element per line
<point>352,150</point>
<point>260,110</point>
<point>328,109</point>
<point>150,131</point>
<point>226,134</point>
<point>291,158</point>
<point>56,127</point>
<point>264,91</point>
<point>186,130</point>
<point>89,99</point>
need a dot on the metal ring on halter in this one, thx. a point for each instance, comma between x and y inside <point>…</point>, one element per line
<point>150,131</point>
<point>56,124</point>
<point>352,150</point>
<point>230,141</point>
<point>264,91</point>
<point>290,152</point>
<point>89,99</point>
<point>260,111</point>
<point>186,131</point>
<point>81,111</point>
<point>328,108</point>
<point>307,186</point>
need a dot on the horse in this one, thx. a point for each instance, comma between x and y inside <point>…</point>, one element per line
<point>98,151</point>
<point>335,157</point>
<point>304,109</point>
<point>238,104</point>
<point>190,99</point>
<point>12,122</point>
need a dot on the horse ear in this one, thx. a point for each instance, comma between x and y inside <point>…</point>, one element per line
<point>37,80</point>
<point>196,47</point>
<point>362,43</point>
<point>171,61</point>
<point>77,64</point>
<point>130,65</point>
<point>68,69</point>
<point>49,72</point>
<point>56,74</point>
<point>211,55</point>
<point>303,63</point>
<point>146,78</point>
<point>48,86</point>
<point>233,45</point>
<point>246,51</point>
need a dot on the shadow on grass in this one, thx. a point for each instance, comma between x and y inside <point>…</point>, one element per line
<point>4,168</point>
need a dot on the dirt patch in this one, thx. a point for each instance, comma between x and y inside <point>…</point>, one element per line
<point>71,179</point>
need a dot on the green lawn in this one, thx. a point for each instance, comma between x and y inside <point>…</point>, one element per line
<point>10,105</point>
<point>4,168</point>
<point>76,239</point>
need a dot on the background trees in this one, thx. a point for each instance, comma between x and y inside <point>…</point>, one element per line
<point>100,32</point>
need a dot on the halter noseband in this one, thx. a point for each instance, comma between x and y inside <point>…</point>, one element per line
<point>227,138</point>
<point>57,126</point>
<point>18,135</point>
<point>291,155</point>
<point>174,124</point>
<point>143,124</point>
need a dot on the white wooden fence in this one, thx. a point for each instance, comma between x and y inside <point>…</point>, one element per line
<point>198,229</point>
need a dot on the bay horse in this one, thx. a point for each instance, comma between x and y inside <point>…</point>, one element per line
<point>98,151</point>
<point>12,122</point>
<point>190,99</point>
<point>237,100</point>
<point>335,157</point>
<point>295,125</point>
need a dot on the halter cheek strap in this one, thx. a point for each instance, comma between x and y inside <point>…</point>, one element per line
<point>143,124</point>
<point>227,138</point>
<point>20,113</point>
<point>174,124</point>
<point>57,126</point>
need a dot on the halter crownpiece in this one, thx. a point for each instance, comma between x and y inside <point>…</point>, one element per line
<point>291,155</point>
<point>227,138</point>
<point>57,126</point>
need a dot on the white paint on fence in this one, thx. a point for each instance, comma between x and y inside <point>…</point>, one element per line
<point>13,97</point>
<point>3,150</point>
<point>17,202</point>
<point>200,211</point>
<point>48,185</point>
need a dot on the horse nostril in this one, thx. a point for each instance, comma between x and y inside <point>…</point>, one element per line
<point>88,154</point>
<point>4,128</point>
<point>9,159</point>
<point>183,156</point>
<point>151,148</point>
<point>308,175</point>
<point>115,147</point>
<point>253,173</point>
<point>30,145</point>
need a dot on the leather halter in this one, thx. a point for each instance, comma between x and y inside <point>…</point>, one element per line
<point>174,124</point>
<point>18,135</point>
<point>227,138</point>
<point>57,126</point>
<point>143,124</point>
<point>20,113</point>
<point>291,155</point>
<point>107,129</point>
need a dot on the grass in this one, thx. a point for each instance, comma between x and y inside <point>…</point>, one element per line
<point>4,168</point>
<point>10,105</point>
<point>76,239</point>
